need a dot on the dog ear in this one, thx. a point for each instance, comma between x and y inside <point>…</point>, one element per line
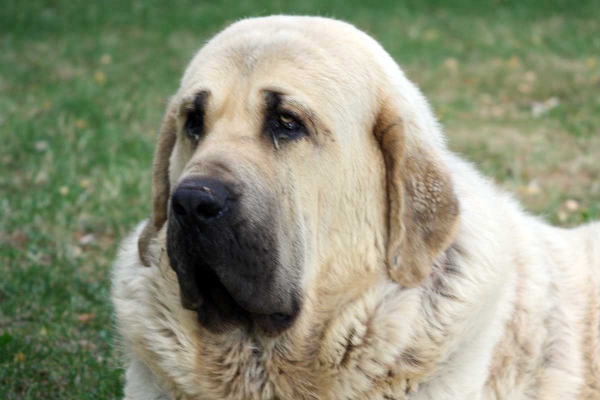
<point>423,209</point>
<point>160,183</point>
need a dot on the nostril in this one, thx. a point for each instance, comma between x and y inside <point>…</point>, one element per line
<point>178,209</point>
<point>209,210</point>
<point>200,201</point>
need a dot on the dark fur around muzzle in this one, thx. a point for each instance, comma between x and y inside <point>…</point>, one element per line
<point>227,259</point>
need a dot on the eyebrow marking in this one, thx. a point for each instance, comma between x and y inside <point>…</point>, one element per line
<point>197,102</point>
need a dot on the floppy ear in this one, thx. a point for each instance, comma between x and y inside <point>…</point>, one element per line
<point>423,210</point>
<point>160,182</point>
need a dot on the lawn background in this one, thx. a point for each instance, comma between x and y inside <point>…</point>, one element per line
<point>83,86</point>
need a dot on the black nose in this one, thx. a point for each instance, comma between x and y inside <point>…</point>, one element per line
<point>200,198</point>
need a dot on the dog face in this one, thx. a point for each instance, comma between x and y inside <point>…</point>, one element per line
<point>292,142</point>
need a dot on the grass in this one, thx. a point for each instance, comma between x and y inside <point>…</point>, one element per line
<point>82,90</point>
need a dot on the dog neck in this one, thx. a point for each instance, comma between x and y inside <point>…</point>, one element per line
<point>363,339</point>
<point>368,339</point>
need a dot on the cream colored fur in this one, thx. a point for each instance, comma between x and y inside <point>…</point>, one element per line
<point>510,310</point>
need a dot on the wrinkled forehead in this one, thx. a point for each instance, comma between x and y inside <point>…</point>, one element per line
<point>327,67</point>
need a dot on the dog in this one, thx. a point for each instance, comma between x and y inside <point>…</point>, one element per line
<point>312,237</point>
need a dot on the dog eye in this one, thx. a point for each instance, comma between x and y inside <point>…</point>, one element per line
<point>287,127</point>
<point>194,124</point>
<point>288,122</point>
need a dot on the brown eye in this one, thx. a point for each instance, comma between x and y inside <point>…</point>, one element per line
<point>282,125</point>
<point>194,123</point>
<point>288,122</point>
<point>289,126</point>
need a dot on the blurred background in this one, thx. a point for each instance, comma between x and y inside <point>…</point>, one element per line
<point>83,86</point>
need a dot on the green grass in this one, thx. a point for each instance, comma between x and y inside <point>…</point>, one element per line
<point>82,90</point>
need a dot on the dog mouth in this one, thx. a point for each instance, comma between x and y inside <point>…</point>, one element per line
<point>225,288</point>
<point>218,311</point>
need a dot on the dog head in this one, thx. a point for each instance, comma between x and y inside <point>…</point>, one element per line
<point>294,142</point>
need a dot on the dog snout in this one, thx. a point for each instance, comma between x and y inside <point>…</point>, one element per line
<point>227,256</point>
<point>201,199</point>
